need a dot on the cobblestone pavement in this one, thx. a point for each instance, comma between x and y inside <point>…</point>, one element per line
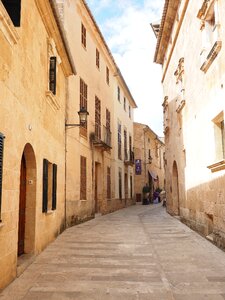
<point>139,252</point>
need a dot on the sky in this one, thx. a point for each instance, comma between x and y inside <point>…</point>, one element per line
<point>125,25</point>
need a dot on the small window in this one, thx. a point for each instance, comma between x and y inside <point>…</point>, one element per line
<point>131,186</point>
<point>118,93</point>
<point>125,145</point>
<point>83,178</point>
<point>83,35</point>
<point>49,186</point>
<point>129,112</point>
<point>13,9</point>
<point>107,75</point>
<point>52,74</point>
<point>124,104</point>
<point>219,137</point>
<point>97,59</point>
<point>1,168</point>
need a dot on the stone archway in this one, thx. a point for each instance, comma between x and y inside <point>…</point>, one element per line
<point>27,202</point>
<point>175,190</point>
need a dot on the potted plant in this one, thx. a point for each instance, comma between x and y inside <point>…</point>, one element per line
<point>145,193</point>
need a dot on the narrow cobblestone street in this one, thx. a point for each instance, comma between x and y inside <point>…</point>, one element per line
<point>139,252</point>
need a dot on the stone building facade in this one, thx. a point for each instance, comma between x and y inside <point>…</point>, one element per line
<point>92,184</point>
<point>190,49</point>
<point>34,66</point>
<point>149,152</point>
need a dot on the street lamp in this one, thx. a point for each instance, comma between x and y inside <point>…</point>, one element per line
<point>83,113</point>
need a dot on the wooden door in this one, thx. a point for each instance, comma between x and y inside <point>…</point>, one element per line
<point>22,207</point>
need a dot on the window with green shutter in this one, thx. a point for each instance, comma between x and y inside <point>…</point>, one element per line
<point>49,186</point>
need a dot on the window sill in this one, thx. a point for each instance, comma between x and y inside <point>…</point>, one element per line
<point>50,212</point>
<point>83,200</point>
<point>51,99</point>
<point>7,27</point>
<point>218,166</point>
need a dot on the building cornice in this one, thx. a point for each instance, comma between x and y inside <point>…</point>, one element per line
<point>49,14</point>
<point>166,26</point>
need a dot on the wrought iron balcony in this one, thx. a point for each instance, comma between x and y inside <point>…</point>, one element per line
<point>101,138</point>
<point>129,158</point>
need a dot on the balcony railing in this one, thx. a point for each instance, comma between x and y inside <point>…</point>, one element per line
<point>102,137</point>
<point>129,158</point>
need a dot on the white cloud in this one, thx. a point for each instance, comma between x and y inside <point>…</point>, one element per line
<point>132,43</point>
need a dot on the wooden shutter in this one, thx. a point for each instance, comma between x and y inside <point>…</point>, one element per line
<point>83,97</point>
<point>125,145</point>
<point>119,141</point>
<point>108,182</point>
<point>120,184</point>
<point>97,117</point>
<point>54,186</point>
<point>83,35</point>
<point>107,75</point>
<point>1,168</point>
<point>83,178</point>
<point>13,8</point>
<point>97,58</point>
<point>52,74</point>
<point>45,186</point>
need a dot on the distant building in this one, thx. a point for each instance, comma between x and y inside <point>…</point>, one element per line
<point>148,156</point>
<point>34,66</point>
<point>190,49</point>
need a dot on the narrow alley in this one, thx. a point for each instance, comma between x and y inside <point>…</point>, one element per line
<point>140,252</point>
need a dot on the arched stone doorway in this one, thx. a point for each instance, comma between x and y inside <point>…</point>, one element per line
<point>175,190</point>
<point>27,202</point>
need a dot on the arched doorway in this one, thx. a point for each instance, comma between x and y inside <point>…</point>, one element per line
<point>27,202</point>
<point>175,190</point>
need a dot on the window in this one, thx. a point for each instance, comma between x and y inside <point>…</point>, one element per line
<point>120,183</point>
<point>131,186</point>
<point>97,118</point>
<point>219,137</point>
<point>97,59</point>
<point>1,168</point>
<point>149,154</point>
<point>210,28</point>
<point>131,154</point>
<point>125,145</point>
<point>13,8</point>
<point>124,104</point>
<point>108,132</point>
<point>119,142</point>
<point>108,182</point>
<point>83,35</point>
<point>52,74</point>
<point>107,75</point>
<point>83,178</point>
<point>118,93</point>
<point>83,98</point>
<point>49,186</point>
<point>129,112</point>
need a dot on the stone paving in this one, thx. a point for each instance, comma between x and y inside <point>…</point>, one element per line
<point>138,253</point>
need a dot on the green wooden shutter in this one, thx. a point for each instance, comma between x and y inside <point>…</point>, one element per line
<point>1,167</point>
<point>54,186</point>
<point>13,8</point>
<point>45,186</point>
